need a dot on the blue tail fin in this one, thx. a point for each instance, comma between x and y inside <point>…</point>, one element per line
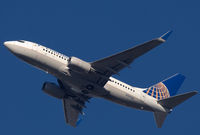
<point>166,88</point>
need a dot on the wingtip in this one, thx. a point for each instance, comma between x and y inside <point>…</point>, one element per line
<point>78,122</point>
<point>166,35</point>
<point>195,92</point>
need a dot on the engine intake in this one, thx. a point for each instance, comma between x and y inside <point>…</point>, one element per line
<point>53,90</point>
<point>78,65</point>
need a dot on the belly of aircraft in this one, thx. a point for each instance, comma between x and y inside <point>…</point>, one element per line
<point>80,84</point>
<point>126,99</point>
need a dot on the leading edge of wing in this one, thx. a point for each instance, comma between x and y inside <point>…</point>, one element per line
<point>155,41</point>
<point>161,39</point>
<point>112,64</point>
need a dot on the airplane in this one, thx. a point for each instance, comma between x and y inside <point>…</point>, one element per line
<point>78,81</point>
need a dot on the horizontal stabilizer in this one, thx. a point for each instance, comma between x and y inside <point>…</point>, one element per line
<point>160,118</point>
<point>173,101</point>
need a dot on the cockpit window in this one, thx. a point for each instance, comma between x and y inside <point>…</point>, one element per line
<point>22,41</point>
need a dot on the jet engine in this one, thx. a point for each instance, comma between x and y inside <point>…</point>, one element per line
<point>78,65</point>
<point>53,90</point>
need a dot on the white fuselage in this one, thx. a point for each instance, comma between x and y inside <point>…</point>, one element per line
<point>55,63</point>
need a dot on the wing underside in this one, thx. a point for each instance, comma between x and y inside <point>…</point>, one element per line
<point>108,66</point>
<point>73,104</point>
<point>71,111</point>
<point>103,69</point>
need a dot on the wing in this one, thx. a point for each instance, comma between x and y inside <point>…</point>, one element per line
<point>71,110</point>
<point>113,64</point>
<point>73,104</point>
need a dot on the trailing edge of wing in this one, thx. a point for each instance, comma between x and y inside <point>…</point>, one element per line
<point>71,114</point>
<point>72,109</point>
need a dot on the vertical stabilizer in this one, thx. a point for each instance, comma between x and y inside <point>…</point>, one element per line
<point>173,83</point>
<point>165,92</point>
<point>166,88</point>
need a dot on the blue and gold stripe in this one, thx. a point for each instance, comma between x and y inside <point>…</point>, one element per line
<point>158,91</point>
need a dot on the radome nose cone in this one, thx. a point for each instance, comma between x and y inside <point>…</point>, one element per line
<point>9,45</point>
<point>6,43</point>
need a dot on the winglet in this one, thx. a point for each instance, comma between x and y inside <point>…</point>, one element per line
<point>166,35</point>
<point>79,121</point>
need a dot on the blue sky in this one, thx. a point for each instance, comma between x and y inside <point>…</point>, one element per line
<point>91,30</point>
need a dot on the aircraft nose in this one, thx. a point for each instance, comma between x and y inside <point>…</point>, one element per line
<point>7,44</point>
<point>10,45</point>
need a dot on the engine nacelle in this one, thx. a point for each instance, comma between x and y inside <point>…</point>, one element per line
<point>78,65</point>
<point>53,90</point>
